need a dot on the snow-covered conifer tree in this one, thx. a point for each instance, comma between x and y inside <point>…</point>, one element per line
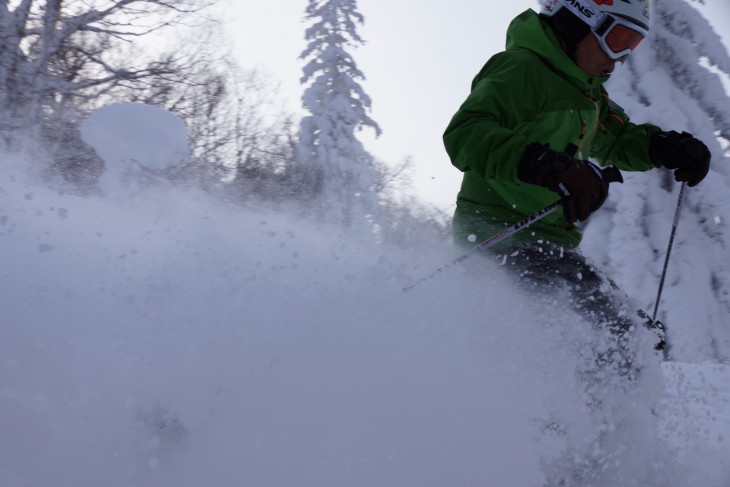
<point>672,80</point>
<point>338,108</point>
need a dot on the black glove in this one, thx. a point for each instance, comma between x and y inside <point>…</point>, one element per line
<point>687,155</point>
<point>582,185</point>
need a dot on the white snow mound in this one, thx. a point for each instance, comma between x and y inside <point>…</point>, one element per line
<point>136,141</point>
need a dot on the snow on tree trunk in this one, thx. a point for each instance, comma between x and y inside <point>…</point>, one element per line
<point>665,83</point>
<point>338,107</point>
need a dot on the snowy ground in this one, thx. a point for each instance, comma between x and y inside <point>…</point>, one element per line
<point>158,338</point>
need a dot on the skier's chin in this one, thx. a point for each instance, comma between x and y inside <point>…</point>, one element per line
<point>602,72</point>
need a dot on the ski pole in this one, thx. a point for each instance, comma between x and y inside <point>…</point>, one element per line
<point>677,212</point>
<point>507,232</point>
<point>610,174</point>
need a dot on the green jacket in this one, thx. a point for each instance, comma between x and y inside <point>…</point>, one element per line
<point>532,92</point>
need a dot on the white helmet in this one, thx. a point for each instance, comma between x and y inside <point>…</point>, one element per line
<point>619,25</point>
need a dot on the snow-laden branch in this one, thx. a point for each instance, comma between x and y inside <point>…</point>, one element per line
<point>665,83</point>
<point>682,41</point>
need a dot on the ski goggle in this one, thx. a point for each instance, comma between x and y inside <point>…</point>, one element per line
<point>618,37</point>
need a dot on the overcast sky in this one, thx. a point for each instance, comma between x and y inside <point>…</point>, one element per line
<point>419,61</point>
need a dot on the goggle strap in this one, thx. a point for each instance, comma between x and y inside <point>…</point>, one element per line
<point>604,25</point>
<point>586,13</point>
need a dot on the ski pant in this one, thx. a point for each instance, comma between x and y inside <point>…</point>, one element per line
<point>609,355</point>
<point>545,270</point>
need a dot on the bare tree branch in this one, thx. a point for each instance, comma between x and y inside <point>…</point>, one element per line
<point>61,48</point>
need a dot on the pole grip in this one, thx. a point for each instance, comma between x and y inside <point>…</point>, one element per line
<point>610,174</point>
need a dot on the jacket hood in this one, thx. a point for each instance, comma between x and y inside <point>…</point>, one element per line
<point>528,31</point>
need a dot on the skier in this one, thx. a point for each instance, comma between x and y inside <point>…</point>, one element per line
<point>523,138</point>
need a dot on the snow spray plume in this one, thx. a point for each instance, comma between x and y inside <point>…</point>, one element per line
<point>490,241</point>
<point>610,174</point>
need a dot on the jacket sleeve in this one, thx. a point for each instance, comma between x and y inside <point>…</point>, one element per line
<point>621,142</point>
<point>484,135</point>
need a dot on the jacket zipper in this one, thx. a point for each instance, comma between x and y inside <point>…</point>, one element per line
<point>585,135</point>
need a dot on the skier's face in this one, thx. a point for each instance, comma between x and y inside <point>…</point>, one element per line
<point>590,57</point>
